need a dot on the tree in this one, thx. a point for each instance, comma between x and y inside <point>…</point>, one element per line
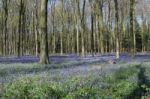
<point>5,7</point>
<point>74,26</point>
<point>37,38</point>
<point>82,19</point>
<point>132,26</point>
<point>21,27</point>
<point>43,33</point>
<point>117,28</point>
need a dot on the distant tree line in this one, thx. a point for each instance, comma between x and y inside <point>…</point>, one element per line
<point>31,27</point>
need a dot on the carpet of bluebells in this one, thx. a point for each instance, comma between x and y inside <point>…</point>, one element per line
<point>73,77</point>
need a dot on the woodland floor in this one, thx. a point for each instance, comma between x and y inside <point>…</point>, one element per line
<point>63,68</point>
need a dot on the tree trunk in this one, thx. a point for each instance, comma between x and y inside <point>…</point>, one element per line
<point>83,30</point>
<point>19,29</point>
<point>5,6</point>
<point>37,37</point>
<point>132,28</point>
<point>43,32</point>
<point>116,28</point>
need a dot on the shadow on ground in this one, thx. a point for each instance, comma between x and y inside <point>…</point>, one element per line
<point>142,80</point>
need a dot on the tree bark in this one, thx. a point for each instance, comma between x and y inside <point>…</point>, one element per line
<point>132,27</point>
<point>43,32</point>
<point>116,28</point>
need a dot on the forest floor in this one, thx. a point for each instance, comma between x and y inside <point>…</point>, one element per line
<point>128,78</point>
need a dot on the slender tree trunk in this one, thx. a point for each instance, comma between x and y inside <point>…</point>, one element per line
<point>77,34</point>
<point>132,26</point>
<point>83,29</point>
<point>53,25</point>
<point>77,22</point>
<point>19,28</point>
<point>92,28</point>
<point>92,35</point>
<point>62,27</point>
<point>116,28</point>
<point>101,28</point>
<point>37,37</point>
<point>5,6</point>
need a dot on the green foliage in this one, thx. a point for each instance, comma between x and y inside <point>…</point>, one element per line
<point>32,88</point>
<point>124,73</point>
<point>117,85</point>
<point>84,93</point>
